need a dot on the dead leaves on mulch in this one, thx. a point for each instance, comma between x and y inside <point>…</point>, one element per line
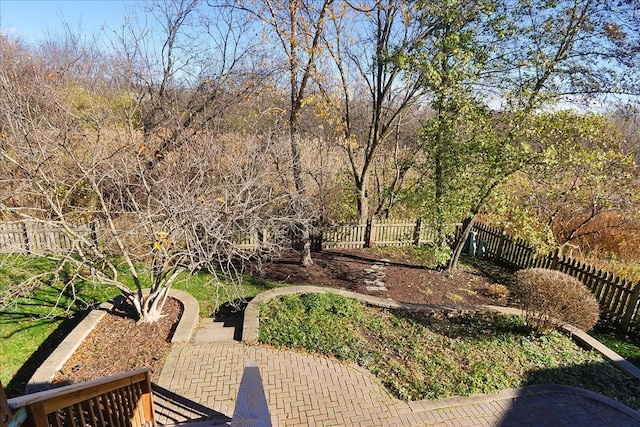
<point>118,344</point>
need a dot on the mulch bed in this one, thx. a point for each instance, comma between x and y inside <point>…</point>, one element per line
<point>406,280</point>
<point>119,344</point>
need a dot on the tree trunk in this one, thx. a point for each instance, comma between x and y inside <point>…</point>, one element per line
<point>149,307</point>
<point>363,203</point>
<point>305,250</point>
<point>467,225</point>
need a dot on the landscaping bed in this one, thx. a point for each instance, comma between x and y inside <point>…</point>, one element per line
<point>406,276</point>
<point>118,344</point>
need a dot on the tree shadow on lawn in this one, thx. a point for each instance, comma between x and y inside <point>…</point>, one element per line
<point>496,272</point>
<point>19,381</point>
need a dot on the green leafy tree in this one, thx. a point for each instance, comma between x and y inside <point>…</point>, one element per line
<point>491,67</point>
<point>468,152</point>
<point>583,189</point>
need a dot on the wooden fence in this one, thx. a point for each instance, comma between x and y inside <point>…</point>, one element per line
<point>39,238</point>
<point>618,297</point>
<point>377,233</point>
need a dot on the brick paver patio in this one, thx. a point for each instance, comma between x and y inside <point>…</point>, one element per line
<point>307,390</point>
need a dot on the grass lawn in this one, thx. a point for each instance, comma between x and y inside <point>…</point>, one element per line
<point>31,330</point>
<point>426,357</point>
<point>625,346</point>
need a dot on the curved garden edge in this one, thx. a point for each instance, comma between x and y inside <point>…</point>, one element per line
<point>252,315</point>
<point>43,377</point>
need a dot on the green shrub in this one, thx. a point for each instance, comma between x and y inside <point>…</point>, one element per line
<point>551,299</point>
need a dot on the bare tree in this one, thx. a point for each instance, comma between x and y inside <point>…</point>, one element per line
<point>72,156</point>
<point>186,63</point>
<point>376,93</point>
<point>297,28</point>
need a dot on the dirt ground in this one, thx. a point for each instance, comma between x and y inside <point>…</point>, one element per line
<point>405,279</point>
<point>118,345</point>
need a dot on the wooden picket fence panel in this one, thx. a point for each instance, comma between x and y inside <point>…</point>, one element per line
<point>377,232</point>
<point>39,238</point>
<point>345,236</point>
<point>618,297</point>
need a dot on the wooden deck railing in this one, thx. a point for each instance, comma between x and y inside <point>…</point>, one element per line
<point>123,400</point>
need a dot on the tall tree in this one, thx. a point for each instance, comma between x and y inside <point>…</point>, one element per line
<point>298,27</point>
<point>513,58</point>
<point>375,92</point>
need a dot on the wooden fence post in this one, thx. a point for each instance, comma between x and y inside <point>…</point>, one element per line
<point>502,238</point>
<point>416,232</point>
<point>630,309</point>
<point>368,234</point>
<point>94,233</point>
<point>27,237</point>
<point>555,256</point>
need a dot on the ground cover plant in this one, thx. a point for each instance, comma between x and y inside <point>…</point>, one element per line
<point>419,356</point>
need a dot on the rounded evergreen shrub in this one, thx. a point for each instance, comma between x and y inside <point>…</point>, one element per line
<point>551,299</point>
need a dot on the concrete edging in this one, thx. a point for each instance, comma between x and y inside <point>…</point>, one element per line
<point>190,316</point>
<point>45,374</point>
<point>252,316</point>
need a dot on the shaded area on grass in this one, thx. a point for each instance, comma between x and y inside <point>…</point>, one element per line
<point>625,345</point>
<point>18,382</point>
<point>35,325</point>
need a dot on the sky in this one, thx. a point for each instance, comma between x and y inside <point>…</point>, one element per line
<point>32,20</point>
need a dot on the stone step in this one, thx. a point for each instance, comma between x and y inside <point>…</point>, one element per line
<point>218,331</point>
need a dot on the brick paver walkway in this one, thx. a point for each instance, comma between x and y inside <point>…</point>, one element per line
<point>306,390</point>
